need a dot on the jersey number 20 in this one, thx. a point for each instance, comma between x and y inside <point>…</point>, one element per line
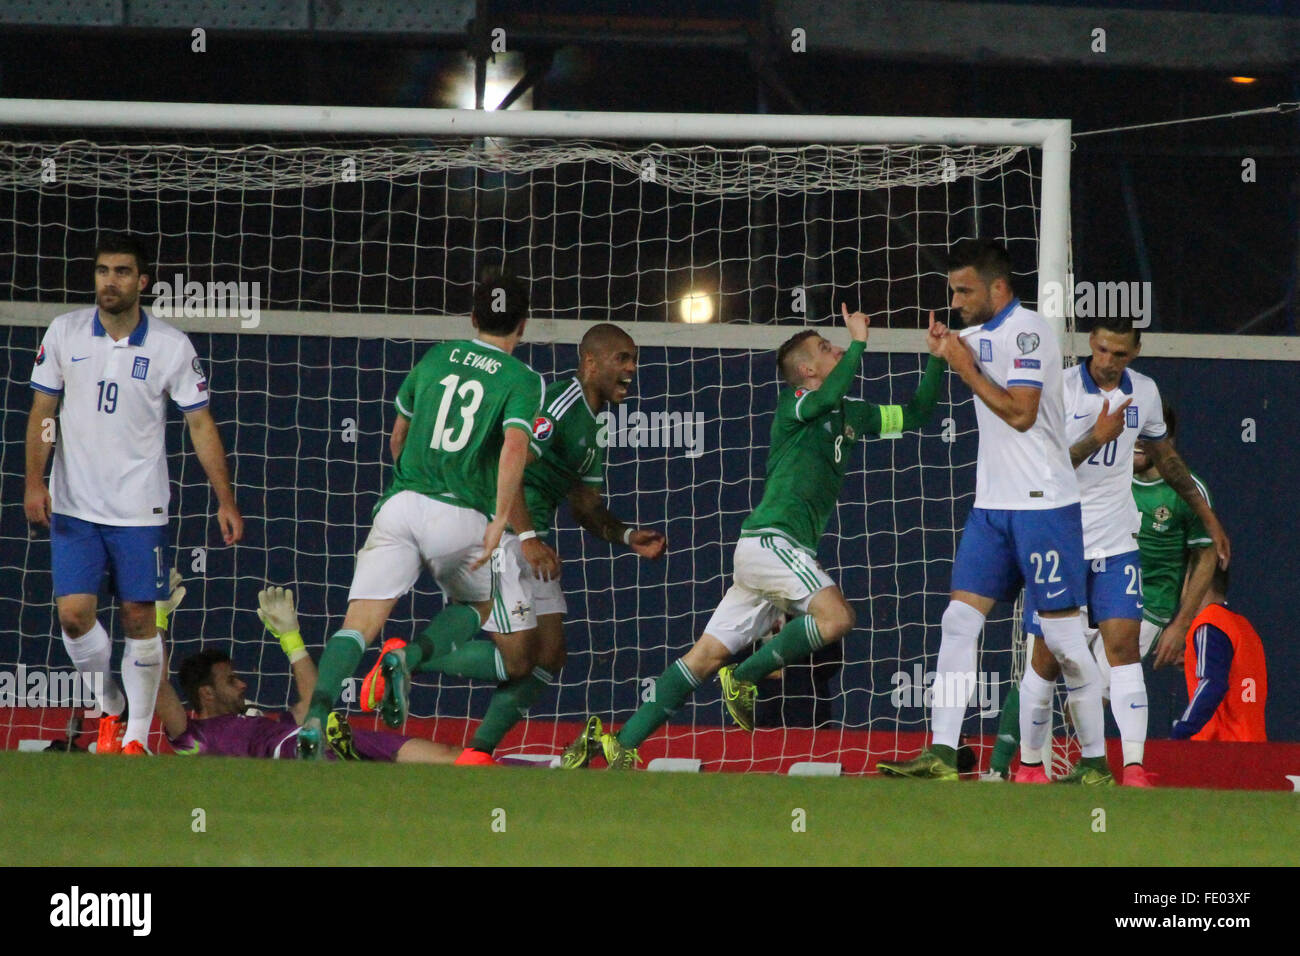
<point>448,438</point>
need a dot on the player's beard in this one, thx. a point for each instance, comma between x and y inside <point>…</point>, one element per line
<point>125,303</point>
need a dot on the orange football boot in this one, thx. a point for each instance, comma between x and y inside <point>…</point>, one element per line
<point>372,687</point>
<point>112,728</point>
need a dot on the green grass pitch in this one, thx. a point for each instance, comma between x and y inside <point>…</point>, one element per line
<point>56,808</point>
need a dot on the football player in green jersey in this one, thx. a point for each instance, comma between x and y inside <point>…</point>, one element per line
<point>1178,558</point>
<point>775,568</point>
<point>573,468</point>
<point>463,430</point>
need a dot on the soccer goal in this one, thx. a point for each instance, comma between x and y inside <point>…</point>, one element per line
<point>313,253</point>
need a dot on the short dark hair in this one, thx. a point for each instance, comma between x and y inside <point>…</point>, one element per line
<point>1119,326</point>
<point>785,360</point>
<point>196,671</point>
<point>500,301</point>
<point>124,243</point>
<point>988,258</point>
<point>1171,420</point>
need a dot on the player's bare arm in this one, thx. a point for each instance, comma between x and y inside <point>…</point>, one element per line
<point>1200,572</point>
<point>212,456</point>
<point>592,514</point>
<point>36,499</point>
<point>1109,426</point>
<point>397,441</point>
<point>510,479</point>
<point>1174,471</point>
<point>539,555</point>
<point>1017,405</point>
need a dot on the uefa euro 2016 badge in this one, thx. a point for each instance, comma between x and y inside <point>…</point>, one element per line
<point>542,428</point>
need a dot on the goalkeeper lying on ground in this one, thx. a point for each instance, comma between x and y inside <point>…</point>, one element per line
<point>219,725</point>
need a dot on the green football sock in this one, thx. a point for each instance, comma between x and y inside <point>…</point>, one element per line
<point>338,661</point>
<point>454,625</point>
<point>945,753</point>
<point>1008,732</point>
<point>476,660</point>
<point>673,686</point>
<point>796,640</point>
<point>509,704</point>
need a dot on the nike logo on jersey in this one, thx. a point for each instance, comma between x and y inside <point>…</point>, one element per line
<point>143,664</point>
<point>1138,706</point>
<point>1085,415</point>
<point>1038,723</point>
<point>81,359</point>
<point>1056,593</point>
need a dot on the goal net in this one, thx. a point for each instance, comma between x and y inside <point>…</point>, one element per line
<point>313,257</point>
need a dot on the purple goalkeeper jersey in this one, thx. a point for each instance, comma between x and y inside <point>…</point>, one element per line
<point>236,735</point>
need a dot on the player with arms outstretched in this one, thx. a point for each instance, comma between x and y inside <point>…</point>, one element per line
<point>775,568</point>
<point>1108,408</point>
<point>1026,525</point>
<point>113,367</point>
<point>465,415</point>
<point>221,725</point>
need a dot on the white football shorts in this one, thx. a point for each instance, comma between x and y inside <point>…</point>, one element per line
<point>412,530</point>
<point>771,576</point>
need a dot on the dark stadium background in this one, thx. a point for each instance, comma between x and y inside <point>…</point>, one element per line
<point>1165,204</point>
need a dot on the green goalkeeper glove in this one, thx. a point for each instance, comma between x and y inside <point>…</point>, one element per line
<point>162,609</point>
<point>277,613</point>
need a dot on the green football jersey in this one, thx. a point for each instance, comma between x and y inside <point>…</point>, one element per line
<point>460,398</point>
<point>569,432</point>
<point>1170,528</point>
<point>812,436</point>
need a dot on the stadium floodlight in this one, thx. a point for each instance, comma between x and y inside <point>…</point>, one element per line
<point>362,230</point>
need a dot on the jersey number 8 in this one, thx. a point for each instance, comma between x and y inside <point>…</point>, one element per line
<point>470,392</point>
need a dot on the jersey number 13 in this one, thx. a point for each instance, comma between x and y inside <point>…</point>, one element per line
<point>448,436</point>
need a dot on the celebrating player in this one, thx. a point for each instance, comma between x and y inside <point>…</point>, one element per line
<point>574,467</point>
<point>776,567</point>
<point>1177,560</point>
<point>220,726</point>
<point>113,367</point>
<point>463,429</point>
<point>1026,524</point>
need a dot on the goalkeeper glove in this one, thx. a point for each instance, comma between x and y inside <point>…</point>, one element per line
<point>277,613</point>
<point>162,609</point>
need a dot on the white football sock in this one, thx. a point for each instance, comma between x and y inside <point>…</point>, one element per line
<point>955,672</point>
<point>1064,638</point>
<point>1098,647</point>
<point>1035,715</point>
<point>92,656</point>
<point>1128,702</point>
<point>141,675</point>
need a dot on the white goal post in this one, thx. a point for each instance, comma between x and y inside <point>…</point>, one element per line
<point>345,352</point>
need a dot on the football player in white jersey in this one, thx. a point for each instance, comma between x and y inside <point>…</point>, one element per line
<point>1109,407</point>
<point>1026,525</point>
<point>107,371</point>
